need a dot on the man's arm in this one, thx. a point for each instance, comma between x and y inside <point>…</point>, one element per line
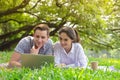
<point>14,61</point>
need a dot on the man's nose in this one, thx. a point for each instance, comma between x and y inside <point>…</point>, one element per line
<point>40,40</point>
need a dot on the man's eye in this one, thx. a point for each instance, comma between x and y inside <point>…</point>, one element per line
<point>65,39</point>
<point>37,36</point>
<point>43,37</point>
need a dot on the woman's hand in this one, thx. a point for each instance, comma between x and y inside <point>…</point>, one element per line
<point>61,65</point>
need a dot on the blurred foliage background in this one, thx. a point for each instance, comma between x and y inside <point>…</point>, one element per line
<point>97,21</point>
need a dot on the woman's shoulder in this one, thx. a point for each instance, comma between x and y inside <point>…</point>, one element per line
<point>77,45</point>
<point>57,43</point>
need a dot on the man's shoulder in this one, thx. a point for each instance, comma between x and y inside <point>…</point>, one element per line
<point>24,45</point>
<point>48,44</point>
<point>49,41</point>
<point>27,38</point>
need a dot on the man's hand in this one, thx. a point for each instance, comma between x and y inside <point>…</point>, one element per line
<point>35,50</point>
<point>13,64</point>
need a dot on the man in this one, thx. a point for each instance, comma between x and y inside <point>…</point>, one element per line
<point>38,44</point>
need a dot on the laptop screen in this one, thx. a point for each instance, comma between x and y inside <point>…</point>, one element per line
<point>36,61</point>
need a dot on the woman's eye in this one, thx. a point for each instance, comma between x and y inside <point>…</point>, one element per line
<point>60,38</point>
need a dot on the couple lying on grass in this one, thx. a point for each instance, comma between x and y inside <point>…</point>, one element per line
<point>68,51</point>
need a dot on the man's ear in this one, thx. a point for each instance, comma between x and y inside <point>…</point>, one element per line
<point>48,36</point>
<point>33,34</point>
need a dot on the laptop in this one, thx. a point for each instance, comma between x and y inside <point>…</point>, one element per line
<point>36,61</point>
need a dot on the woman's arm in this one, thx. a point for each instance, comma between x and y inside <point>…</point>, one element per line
<point>82,58</point>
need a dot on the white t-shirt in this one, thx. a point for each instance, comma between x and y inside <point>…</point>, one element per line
<point>75,57</point>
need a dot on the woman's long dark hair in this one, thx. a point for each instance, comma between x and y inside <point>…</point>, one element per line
<point>71,32</point>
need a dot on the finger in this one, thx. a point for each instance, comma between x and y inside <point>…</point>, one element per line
<point>40,46</point>
<point>34,47</point>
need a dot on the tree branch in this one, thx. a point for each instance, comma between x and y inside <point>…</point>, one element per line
<point>58,4</point>
<point>15,9</point>
<point>100,43</point>
<point>6,45</point>
<point>34,5</point>
<point>57,28</point>
<point>117,29</point>
<point>24,28</point>
<point>5,21</point>
<point>27,13</point>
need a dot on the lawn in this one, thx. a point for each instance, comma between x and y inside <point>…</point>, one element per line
<point>54,73</point>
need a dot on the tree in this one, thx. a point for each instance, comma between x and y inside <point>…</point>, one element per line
<point>93,19</point>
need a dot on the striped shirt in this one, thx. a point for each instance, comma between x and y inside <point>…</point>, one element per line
<point>26,44</point>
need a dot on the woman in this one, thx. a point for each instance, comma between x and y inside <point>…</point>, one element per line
<point>69,52</point>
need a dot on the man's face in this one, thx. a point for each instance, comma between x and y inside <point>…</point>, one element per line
<point>40,37</point>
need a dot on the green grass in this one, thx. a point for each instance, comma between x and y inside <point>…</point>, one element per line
<point>5,56</point>
<point>54,73</point>
<point>107,62</point>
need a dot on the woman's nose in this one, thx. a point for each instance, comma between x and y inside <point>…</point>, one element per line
<point>62,42</point>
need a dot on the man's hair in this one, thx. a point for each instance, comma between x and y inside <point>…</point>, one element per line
<point>42,27</point>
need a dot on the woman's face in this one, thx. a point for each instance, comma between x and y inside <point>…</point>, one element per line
<point>65,41</point>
